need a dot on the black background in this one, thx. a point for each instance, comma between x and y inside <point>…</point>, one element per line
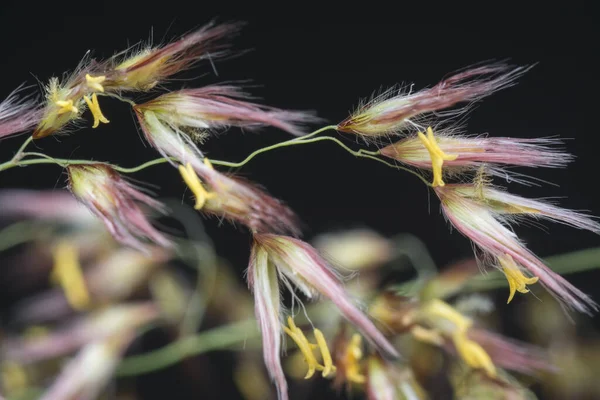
<point>306,58</point>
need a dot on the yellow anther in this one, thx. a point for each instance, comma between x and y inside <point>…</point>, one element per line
<point>94,82</point>
<point>67,273</point>
<point>94,107</point>
<point>14,378</point>
<point>436,308</point>
<point>195,184</point>
<point>35,332</point>
<point>436,154</point>
<point>66,106</point>
<point>304,345</point>
<point>425,335</point>
<point>352,358</point>
<point>306,348</point>
<point>208,163</point>
<point>328,366</point>
<point>517,282</point>
<point>473,354</point>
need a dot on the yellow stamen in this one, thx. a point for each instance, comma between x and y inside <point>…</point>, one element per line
<point>94,107</point>
<point>328,366</point>
<point>307,350</point>
<point>425,335</point>
<point>67,273</point>
<point>517,282</point>
<point>195,184</point>
<point>439,309</point>
<point>94,82</point>
<point>14,378</point>
<point>304,345</point>
<point>208,163</point>
<point>66,106</point>
<point>436,154</point>
<point>353,356</point>
<point>473,354</point>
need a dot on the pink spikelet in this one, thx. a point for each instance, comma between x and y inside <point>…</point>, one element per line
<point>295,262</point>
<point>393,112</point>
<point>218,107</point>
<point>240,201</point>
<point>231,197</point>
<point>512,354</point>
<point>117,203</point>
<point>18,115</point>
<point>300,263</point>
<point>45,205</point>
<point>147,67</point>
<point>264,283</point>
<point>484,220</point>
<point>474,152</point>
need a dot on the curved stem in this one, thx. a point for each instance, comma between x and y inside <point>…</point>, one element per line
<point>45,159</point>
<point>217,338</point>
<point>19,152</point>
<point>360,153</point>
<point>292,142</point>
<point>116,96</point>
<point>140,167</point>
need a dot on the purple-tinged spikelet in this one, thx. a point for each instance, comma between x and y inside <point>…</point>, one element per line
<point>512,354</point>
<point>17,115</point>
<point>117,203</point>
<point>263,280</point>
<point>484,220</point>
<point>45,205</point>
<point>295,262</point>
<point>147,67</point>
<point>392,112</point>
<point>217,107</point>
<point>227,197</point>
<point>473,152</point>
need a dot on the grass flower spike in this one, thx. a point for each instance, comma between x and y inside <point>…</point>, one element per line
<point>394,112</point>
<point>483,215</point>
<point>66,99</point>
<point>17,115</point>
<point>470,153</point>
<point>146,67</point>
<point>116,203</point>
<point>293,261</point>
<point>217,194</point>
<point>217,107</point>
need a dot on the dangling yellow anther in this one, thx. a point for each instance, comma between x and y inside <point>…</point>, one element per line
<point>425,335</point>
<point>517,282</point>
<point>67,273</point>
<point>13,378</point>
<point>352,360</point>
<point>473,354</point>
<point>94,107</point>
<point>328,366</point>
<point>94,82</point>
<point>304,345</point>
<point>307,350</point>
<point>436,308</point>
<point>436,154</point>
<point>195,184</point>
<point>66,106</point>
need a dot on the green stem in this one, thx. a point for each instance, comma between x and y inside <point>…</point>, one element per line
<point>301,140</point>
<point>217,338</point>
<point>292,142</point>
<point>145,165</point>
<point>116,96</point>
<point>18,154</point>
